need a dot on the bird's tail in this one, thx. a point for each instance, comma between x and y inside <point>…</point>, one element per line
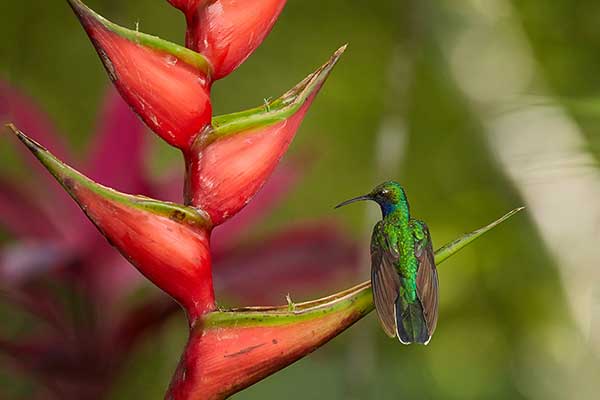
<point>410,322</point>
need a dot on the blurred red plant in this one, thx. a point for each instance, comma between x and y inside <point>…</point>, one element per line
<point>65,252</point>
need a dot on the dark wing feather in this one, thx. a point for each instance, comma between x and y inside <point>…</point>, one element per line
<point>427,280</point>
<point>385,279</point>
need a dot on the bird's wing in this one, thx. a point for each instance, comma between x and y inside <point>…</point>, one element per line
<point>427,279</point>
<point>385,279</point>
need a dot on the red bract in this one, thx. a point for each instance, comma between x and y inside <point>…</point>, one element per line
<point>228,352</point>
<point>176,257</point>
<point>230,162</point>
<point>167,85</point>
<point>228,31</point>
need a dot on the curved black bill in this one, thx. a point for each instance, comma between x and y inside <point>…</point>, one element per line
<point>359,198</point>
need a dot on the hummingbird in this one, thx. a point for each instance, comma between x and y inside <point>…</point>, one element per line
<point>403,273</point>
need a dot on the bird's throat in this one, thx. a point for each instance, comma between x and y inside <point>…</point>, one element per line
<point>399,210</point>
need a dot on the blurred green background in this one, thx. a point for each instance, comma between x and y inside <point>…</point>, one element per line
<point>476,106</point>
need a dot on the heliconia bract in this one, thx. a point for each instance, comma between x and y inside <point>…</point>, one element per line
<point>167,85</point>
<point>228,31</point>
<point>231,162</point>
<point>176,256</point>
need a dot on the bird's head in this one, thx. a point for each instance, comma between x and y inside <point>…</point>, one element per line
<point>389,195</point>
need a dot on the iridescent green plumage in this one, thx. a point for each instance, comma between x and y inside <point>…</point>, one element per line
<point>403,273</point>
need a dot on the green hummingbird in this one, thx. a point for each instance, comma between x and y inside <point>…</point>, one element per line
<point>403,272</point>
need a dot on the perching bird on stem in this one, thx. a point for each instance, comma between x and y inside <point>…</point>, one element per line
<point>403,272</point>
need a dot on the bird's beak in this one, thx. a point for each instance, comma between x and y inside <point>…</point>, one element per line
<point>359,198</point>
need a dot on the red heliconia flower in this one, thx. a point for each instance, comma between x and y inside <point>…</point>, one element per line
<point>228,31</point>
<point>43,254</point>
<point>228,159</point>
<point>167,85</point>
<point>218,185</point>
